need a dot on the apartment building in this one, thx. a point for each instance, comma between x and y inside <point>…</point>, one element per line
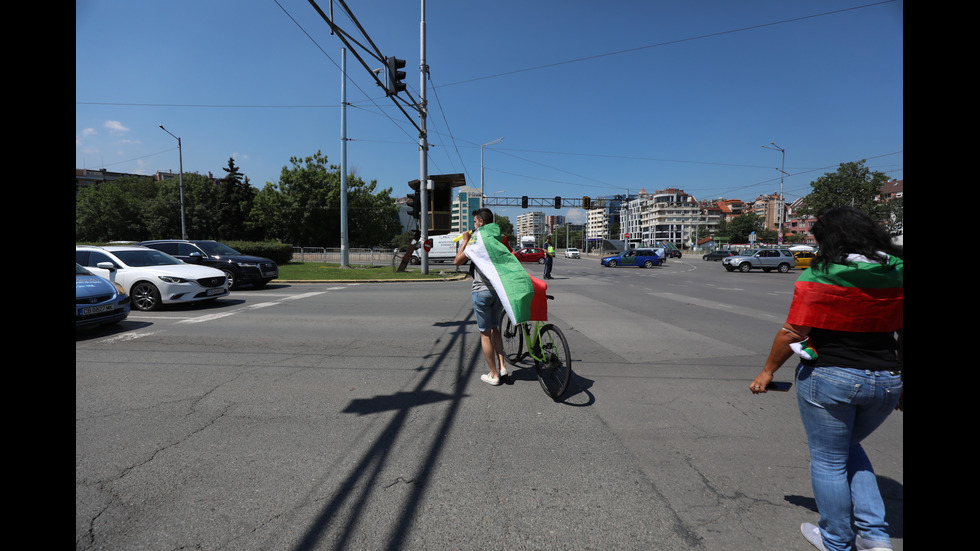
<point>468,199</point>
<point>531,224</point>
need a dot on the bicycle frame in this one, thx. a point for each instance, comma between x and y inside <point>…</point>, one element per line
<point>533,345</point>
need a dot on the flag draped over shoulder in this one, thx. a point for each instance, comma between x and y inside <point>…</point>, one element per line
<point>861,296</point>
<point>523,296</point>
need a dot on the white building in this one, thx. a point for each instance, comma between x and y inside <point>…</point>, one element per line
<point>531,224</point>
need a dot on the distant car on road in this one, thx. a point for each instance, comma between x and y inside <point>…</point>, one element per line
<point>718,255</point>
<point>572,253</point>
<point>152,278</point>
<point>240,269</point>
<point>530,254</point>
<point>804,258</point>
<point>644,258</point>
<point>98,301</point>
<point>673,253</point>
<point>766,259</point>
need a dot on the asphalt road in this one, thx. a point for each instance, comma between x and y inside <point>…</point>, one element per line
<point>342,416</point>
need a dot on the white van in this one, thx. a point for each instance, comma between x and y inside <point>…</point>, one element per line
<point>443,249</point>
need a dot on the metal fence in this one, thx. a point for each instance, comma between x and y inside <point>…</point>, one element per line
<point>373,257</point>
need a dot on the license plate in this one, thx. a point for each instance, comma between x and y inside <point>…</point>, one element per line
<point>218,291</point>
<point>98,309</point>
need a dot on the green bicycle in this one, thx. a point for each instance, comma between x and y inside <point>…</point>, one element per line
<point>546,345</point>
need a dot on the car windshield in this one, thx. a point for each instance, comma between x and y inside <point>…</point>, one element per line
<point>217,249</point>
<point>79,270</point>
<point>148,257</point>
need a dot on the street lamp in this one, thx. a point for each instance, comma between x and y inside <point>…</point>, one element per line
<point>483,193</point>
<point>180,157</point>
<point>782,172</point>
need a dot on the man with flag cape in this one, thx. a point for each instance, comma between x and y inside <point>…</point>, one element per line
<point>500,284</point>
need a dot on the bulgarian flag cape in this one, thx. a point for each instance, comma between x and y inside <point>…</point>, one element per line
<point>861,296</point>
<point>524,297</point>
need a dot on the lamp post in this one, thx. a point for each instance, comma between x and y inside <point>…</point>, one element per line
<point>180,157</point>
<point>782,173</point>
<point>483,193</point>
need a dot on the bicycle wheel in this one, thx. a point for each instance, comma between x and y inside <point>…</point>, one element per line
<point>556,369</point>
<point>513,337</point>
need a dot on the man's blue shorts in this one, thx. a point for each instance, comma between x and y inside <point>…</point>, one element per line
<point>488,310</point>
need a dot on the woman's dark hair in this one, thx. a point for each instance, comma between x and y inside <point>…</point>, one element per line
<point>845,230</point>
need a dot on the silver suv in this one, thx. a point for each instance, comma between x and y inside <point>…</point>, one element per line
<point>766,259</point>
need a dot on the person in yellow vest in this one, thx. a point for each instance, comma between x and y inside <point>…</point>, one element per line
<point>549,257</point>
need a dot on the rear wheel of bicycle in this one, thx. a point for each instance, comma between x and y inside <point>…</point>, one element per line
<point>513,337</point>
<point>555,371</point>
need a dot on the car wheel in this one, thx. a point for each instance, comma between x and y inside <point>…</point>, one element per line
<point>705,257</point>
<point>745,266</point>
<point>613,264</point>
<point>648,264</point>
<point>414,261</point>
<point>232,282</point>
<point>145,296</point>
<point>540,261</point>
<point>783,268</point>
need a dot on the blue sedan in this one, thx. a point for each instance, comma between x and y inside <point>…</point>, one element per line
<point>98,301</point>
<point>646,258</point>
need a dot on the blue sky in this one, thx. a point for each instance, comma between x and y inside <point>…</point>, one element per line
<point>591,98</point>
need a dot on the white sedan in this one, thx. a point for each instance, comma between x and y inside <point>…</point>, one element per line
<point>572,253</point>
<point>153,278</point>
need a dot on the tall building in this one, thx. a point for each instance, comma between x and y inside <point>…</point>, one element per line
<point>531,224</point>
<point>468,199</point>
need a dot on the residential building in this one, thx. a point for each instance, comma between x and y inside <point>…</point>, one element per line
<point>468,199</point>
<point>531,224</point>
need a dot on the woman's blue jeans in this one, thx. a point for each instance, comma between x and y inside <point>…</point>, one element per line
<point>840,407</point>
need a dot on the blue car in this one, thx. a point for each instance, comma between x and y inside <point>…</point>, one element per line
<point>645,258</point>
<point>98,301</point>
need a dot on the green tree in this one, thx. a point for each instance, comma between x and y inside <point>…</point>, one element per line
<point>235,198</point>
<point>853,185</point>
<point>738,229</point>
<point>303,208</point>
<point>114,210</point>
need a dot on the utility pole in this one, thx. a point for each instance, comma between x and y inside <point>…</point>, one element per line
<point>423,146</point>
<point>344,253</point>
<point>782,201</point>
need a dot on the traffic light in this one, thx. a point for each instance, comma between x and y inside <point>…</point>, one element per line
<point>586,203</point>
<point>524,202</point>
<point>413,204</point>
<point>395,76</point>
<point>557,202</point>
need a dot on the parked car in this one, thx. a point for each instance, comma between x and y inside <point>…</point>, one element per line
<point>98,301</point>
<point>718,255</point>
<point>530,254</point>
<point>766,259</point>
<point>240,269</point>
<point>804,258</point>
<point>572,253</point>
<point>645,258</point>
<point>673,253</point>
<point>152,278</point>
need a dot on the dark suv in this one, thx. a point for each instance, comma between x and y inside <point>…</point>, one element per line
<point>241,269</point>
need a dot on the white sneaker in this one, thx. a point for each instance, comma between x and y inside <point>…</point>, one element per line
<point>812,535</point>
<point>503,372</point>
<point>490,380</point>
